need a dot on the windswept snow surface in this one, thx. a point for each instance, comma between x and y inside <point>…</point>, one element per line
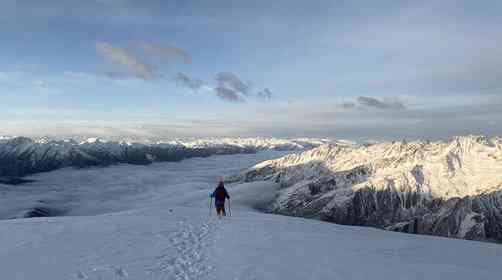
<point>169,233</point>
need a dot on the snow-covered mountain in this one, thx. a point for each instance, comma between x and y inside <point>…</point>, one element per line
<point>20,156</point>
<point>449,188</point>
<point>154,223</point>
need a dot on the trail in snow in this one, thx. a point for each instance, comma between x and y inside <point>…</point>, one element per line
<point>180,251</point>
<point>184,255</point>
<point>190,261</point>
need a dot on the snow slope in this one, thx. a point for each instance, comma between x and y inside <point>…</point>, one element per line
<point>450,188</point>
<point>155,243</point>
<point>174,237</point>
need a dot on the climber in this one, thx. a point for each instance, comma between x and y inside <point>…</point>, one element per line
<point>220,194</point>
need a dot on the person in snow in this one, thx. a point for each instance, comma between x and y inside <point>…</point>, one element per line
<point>220,194</point>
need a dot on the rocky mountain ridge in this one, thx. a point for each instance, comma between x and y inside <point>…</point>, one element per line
<point>448,188</point>
<point>20,156</point>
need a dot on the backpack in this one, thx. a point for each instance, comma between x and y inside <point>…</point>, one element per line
<point>219,193</point>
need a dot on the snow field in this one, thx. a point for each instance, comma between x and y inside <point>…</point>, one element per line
<point>166,232</point>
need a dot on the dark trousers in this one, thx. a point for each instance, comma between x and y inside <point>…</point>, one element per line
<point>220,208</point>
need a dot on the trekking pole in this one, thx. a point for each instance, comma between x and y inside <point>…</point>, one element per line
<point>210,205</point>
<point>229,208</point>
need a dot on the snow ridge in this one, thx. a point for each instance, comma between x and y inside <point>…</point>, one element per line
<point>450,188</point>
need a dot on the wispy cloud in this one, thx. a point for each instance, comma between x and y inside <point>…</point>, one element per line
<point>227,87</point>
<point>192,83</point>
<point>166,51</point>
<point>231,81</point>
<point>347,105</point>
<point>126,59</point>
<point>385,104</point>
<point>228,94</point>
<point>265,94</point>
<point>134,64</point>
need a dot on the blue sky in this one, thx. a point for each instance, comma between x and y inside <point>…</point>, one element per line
<point>348,69</point>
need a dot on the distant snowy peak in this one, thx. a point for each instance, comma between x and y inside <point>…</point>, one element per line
<point>253,142</point>
<point>258,143</point>
<point>434,187</point>
<point>92,140</point>
<point>20,156</point>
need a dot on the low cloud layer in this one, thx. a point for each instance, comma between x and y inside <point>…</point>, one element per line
<point>127,60</point>
<point>481,116</point>
<point>385,104</point>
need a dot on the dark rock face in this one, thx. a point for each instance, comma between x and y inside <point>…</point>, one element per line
<point>14,181</point>
<point>411,213</point>
<point>38,212</point>
<point>472,217</point>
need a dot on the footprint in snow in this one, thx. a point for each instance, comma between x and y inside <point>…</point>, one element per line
<point>121,273</point>
<point>118,272</point>
<point>81,275</point>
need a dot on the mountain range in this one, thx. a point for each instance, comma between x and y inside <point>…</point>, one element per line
<point>449,188</point>
<point>20,156</point>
